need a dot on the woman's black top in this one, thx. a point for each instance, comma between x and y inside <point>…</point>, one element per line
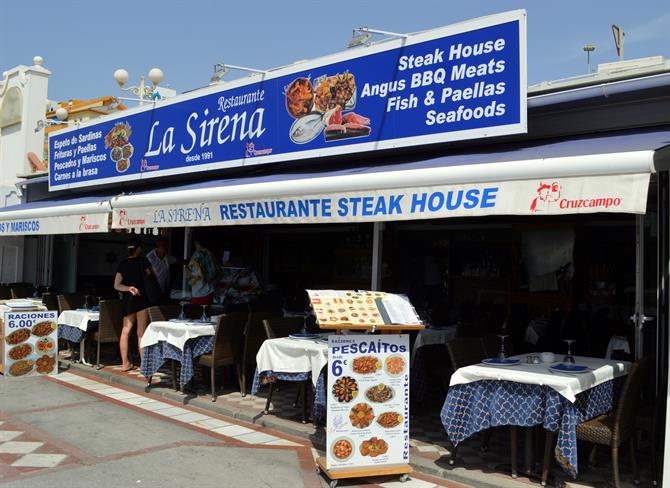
<point>132,271</point>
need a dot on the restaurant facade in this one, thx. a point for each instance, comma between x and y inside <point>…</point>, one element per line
<point>437,174</point>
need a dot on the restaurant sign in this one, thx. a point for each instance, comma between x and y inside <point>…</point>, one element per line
<point>553,196</point>
<point>368,405</point>
<point>463,81</point>
<point>30,343</point>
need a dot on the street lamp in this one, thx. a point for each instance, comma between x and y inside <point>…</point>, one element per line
<point>143,91</point>
<point>61,114</point>
<point>588,49</point>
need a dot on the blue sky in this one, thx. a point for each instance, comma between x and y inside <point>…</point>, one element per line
<point>83,42</point>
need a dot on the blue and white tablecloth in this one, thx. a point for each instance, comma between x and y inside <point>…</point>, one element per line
<point>319,406</point>
<point>69,333</point>
<point>155,355</point>
<point>472,407</point>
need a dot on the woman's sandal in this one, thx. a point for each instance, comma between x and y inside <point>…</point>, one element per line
<point>131,368</point>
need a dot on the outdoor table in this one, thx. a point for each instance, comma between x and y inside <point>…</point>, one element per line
<point>73,325</point>
<point>290,359</point>
<point>177,340</point>
<point>482,396</point>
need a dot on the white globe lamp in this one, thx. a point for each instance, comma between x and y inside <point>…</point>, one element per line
<point>62,113</point>
<point>121,76</point>
<point>156,75</point>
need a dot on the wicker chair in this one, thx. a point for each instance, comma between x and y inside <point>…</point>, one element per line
<point>254,336</point>
<point>612,429</point>
<point>282,327</point>
<point>110,325</point>
<point>70,301</point>
<point>162,313</point>
<point>227,346</point>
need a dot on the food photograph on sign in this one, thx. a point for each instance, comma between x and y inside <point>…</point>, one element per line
<point>30,343</point>
<point>368,407</point>
<point>326,109</point>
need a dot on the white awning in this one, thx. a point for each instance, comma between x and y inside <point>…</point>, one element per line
<point>73,216</point>
<point>583,175</point>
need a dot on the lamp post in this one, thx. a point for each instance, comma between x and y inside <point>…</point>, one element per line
<point>142,91</point>
<point>588,49</point>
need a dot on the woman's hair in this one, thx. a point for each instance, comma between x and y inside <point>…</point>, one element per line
<point>133,245</point>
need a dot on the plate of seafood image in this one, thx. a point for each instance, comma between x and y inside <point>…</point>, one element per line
<point>335,91</point>
<point>379,393</point>
<point>394,365</point>
<point>345,126</point>
<point>373,447</point>
<point>389,420</point>
<point>45,345</point>
<point>361,415</point>
<point>42,329</point>
<point>345,389</point>
<point>342,448</point>
<point>21,368</point>
<point>366,365</point>
<point>306,128</point>
<point>45,364</point>
<point>19,352</point>
<point>299,97</point>
<point>18,336</point>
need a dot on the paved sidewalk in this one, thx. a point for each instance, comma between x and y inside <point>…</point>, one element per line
<point>73,431</point>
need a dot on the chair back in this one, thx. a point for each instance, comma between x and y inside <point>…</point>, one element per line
<point>50,301</point>
<point>229,337</point>
<point>111,320</point>
<point>629,401</point>
<point>21,290</point>
<point>162,313</point>
<point>254,335</point>
<point>70,301</point>
<point>282,327</point>
<point>5,292</point>
<point>465,351</point>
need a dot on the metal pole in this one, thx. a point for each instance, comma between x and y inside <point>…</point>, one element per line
<point>187,253</point>
<point>662,312</point>
<point>639,286</point>
<point>377,251</point>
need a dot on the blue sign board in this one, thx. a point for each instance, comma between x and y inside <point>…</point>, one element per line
<point>460,82</point>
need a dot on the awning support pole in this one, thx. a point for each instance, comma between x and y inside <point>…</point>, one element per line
<point>662,322</point>
<point>377,241</point>
<point>639,318</point>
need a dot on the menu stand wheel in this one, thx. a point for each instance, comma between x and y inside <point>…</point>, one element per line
<point>333,483</point>
<point>404,478</point>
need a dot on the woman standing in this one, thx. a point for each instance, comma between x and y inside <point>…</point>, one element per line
<point>129,280</point>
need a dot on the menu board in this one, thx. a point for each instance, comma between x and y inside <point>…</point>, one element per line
<point>368,405</point>
<point>30,343</point>
<point>371,308</point>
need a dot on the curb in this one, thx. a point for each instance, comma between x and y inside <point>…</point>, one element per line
<point>316,436</point>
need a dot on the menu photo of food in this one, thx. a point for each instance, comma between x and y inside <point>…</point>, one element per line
<point>117,141</point>
<point>30,343</point>
<point>324,105</point>
<point>334,307</point>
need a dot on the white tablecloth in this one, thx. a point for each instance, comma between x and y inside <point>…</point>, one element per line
<point>286,355</point>
<point>433,336</point>
<point>175,333</point>
<point>568,385</point>
<point>78,318</point>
